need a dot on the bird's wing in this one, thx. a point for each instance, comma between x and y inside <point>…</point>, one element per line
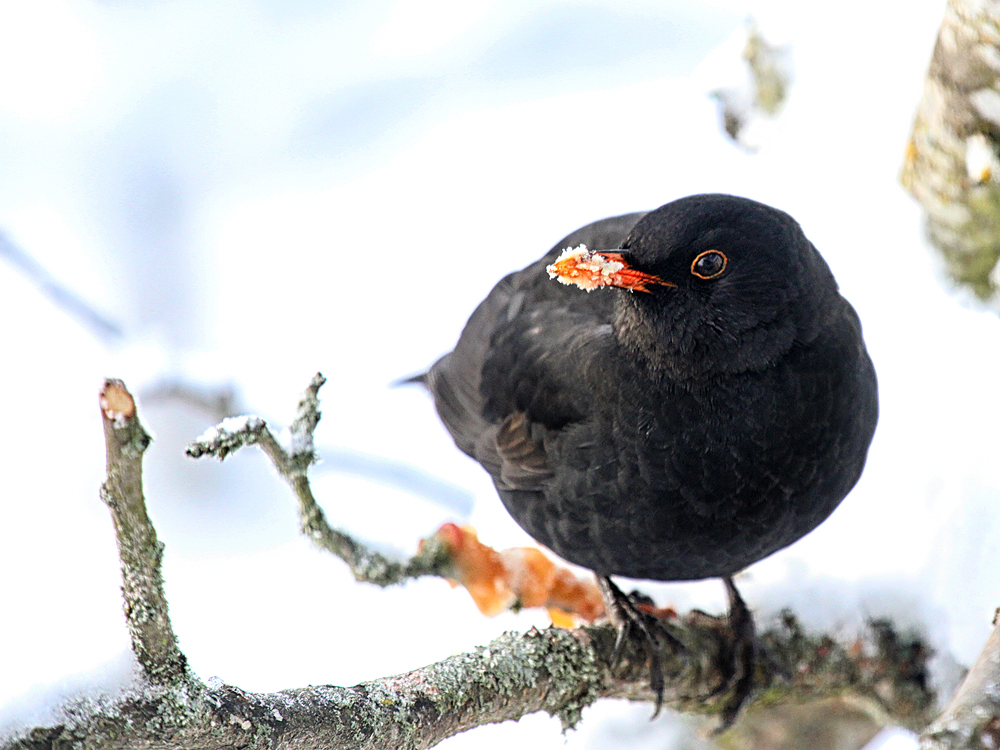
<point>515,371</point>
<point>523,461</point>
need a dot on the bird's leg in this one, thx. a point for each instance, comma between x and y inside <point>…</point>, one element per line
<point>628,618</point>
<point>743,657</point>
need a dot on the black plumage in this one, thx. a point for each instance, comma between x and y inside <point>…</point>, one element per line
<point>679,432</point>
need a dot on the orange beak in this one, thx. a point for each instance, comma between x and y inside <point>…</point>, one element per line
<point>591,270</point>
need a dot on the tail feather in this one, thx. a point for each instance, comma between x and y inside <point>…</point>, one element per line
<point>419,378</point>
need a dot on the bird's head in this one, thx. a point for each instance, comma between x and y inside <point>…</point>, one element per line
<point>710,284</point>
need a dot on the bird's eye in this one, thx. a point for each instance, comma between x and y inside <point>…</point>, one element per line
<point>709,264</point>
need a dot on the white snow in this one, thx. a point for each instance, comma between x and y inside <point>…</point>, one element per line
<point>231,426</point>
<point>981,162</point>
<point>243,423</point>
<point>578,266</point>
<point>893,738</point>
<point>162,159</point>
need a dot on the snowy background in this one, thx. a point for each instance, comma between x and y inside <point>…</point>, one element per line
<point>256,191</point>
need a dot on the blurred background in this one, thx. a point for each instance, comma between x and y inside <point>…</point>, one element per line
<point>231,195</point>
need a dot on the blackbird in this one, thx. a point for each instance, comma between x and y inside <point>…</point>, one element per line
<point>709,402</point>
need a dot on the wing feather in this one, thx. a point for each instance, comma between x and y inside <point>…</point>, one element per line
<point>515,370</point>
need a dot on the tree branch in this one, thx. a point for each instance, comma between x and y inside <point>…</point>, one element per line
<point>555,670</point>
<point>972,720</point>
<point>952,163</point>
<point>153,639</point>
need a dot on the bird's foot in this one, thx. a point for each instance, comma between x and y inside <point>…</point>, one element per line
<point>630,618</point>
<point>740,659</point>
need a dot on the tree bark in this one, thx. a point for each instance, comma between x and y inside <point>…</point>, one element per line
<point>972,719</point>
<point>139,551</point>
<point>952,161</point>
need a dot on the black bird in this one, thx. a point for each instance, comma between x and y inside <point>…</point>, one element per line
<point>712,405</point>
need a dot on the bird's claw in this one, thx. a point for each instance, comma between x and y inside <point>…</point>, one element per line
<point>630,618</point>
<point>742,659</point>
<point>739,655</point>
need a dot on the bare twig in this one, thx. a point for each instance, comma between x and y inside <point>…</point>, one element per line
<point>971,720</point>
<point>367,564</point>
<point>153,639</point>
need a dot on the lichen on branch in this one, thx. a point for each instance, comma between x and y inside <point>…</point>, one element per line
<point>146,612</point>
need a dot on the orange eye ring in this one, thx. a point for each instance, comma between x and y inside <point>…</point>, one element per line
<point>709,264</point>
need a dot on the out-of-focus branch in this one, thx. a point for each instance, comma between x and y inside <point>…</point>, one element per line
<point>971,720</point>
<point>58,293</point>
<point>745,105</point>
<point>952,162</point>
<point>218,403</point>
<point>140,552</point>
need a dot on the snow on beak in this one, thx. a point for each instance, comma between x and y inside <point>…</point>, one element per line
<point>589,270</point>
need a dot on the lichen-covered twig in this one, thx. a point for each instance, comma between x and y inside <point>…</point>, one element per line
<point>952,161</point>
<point>366,564</point>
<point>153,639</point>
<point>554,670</point>
<point>971,721</point>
